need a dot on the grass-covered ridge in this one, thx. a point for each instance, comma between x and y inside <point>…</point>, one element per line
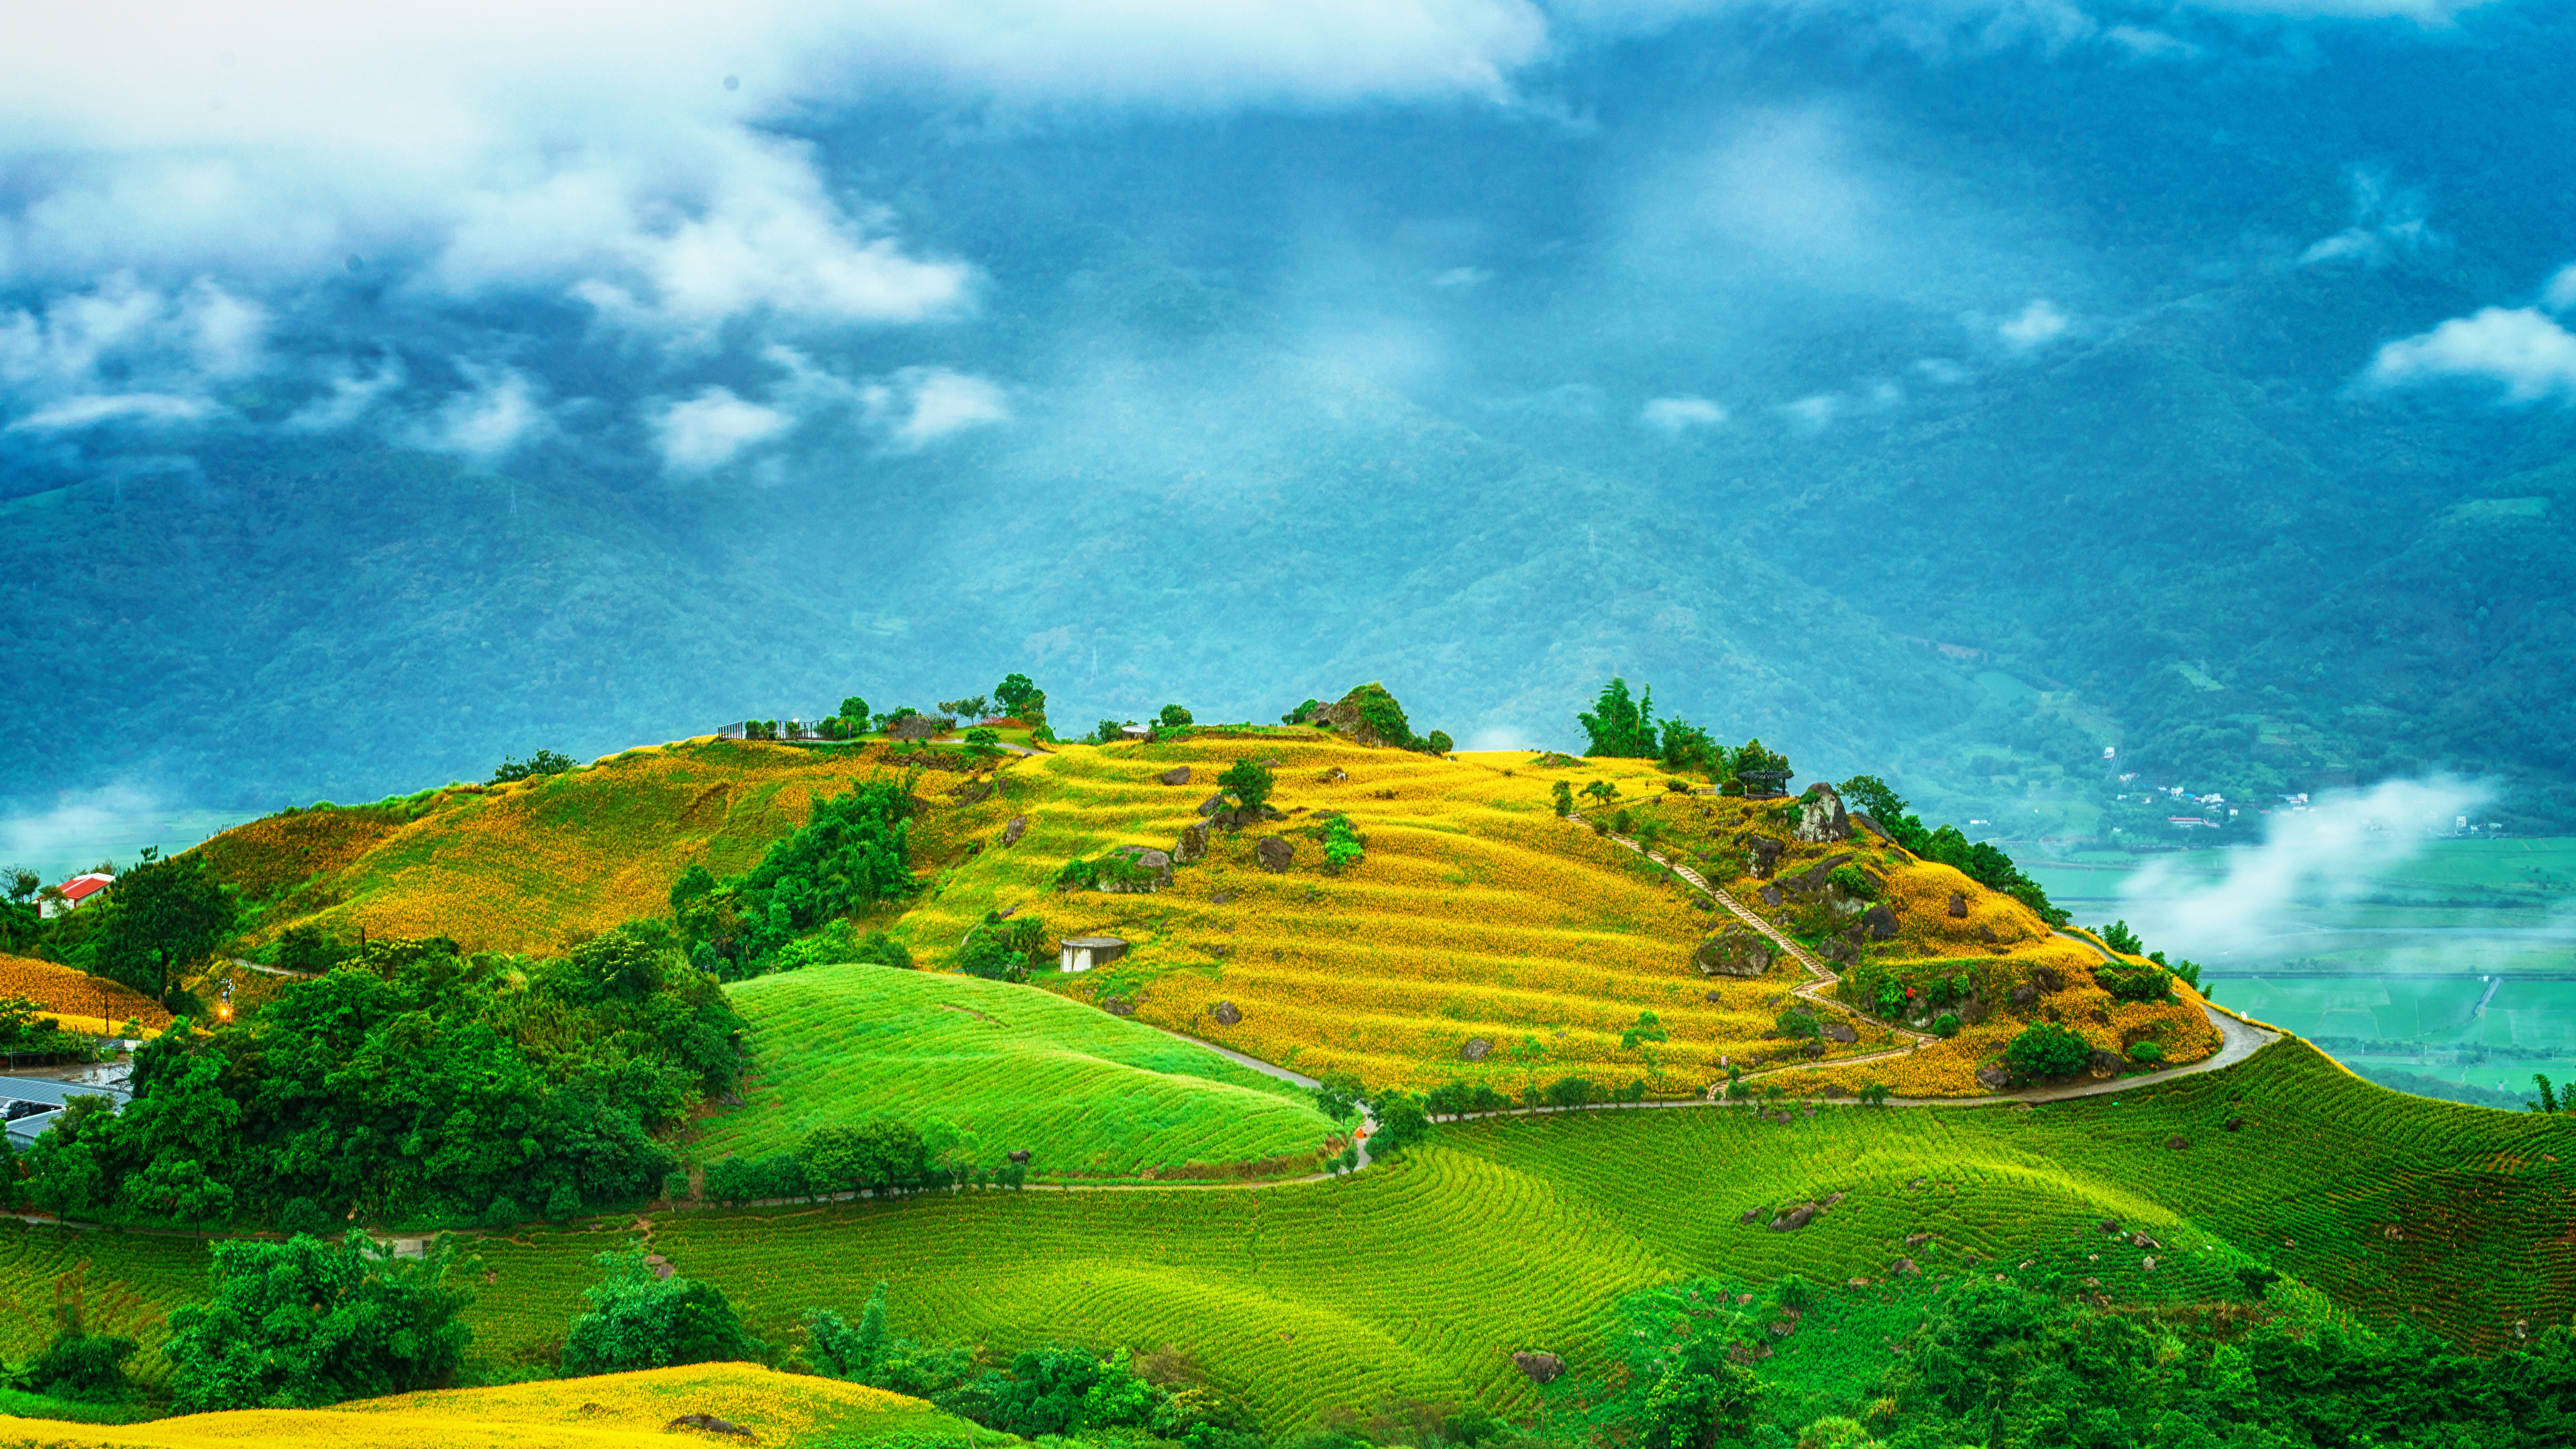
<point>1088,1094</point>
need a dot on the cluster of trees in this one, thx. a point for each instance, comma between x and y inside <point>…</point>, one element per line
<point>543,762</point>
<point>853,852</point>
<point>881,1155</point>
<point>1008,949</point>
<point>1978,860</point>
<point>2001,1362</point>
<point>1621,726</point>
<point>419,1084</point>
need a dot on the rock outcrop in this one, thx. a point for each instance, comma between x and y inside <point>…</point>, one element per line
<point>1821,817</point>
<point>1740,951</point>
<point>1881,921</point>
<point>1540,1368</point>
<point>1274,854</point>
<point>1227,1013</point>
<point>1157,865</point>
<point>1014,828</point>
<point>1958,905</point>
<point>1177,775</point>
<point>1192,847</point>
<point>1766,854</point>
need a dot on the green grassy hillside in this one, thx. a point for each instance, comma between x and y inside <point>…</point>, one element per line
<point>1087,1093</point>
<point>1419,1279</point>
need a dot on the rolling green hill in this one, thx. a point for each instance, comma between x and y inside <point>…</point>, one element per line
<point>1091,1095</point>
<point>1420,1278</point>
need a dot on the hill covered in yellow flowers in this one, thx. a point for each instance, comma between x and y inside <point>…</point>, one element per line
<point>1481,937</point>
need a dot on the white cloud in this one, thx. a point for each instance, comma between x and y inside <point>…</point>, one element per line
<point>706,431</point>
<point>1812,414</point>
<point>127,407</point>
<point>121,350</point>
<point>2147,44</point>
<point>920,405</point>
<point>1942,370</point>
<point>2039,324</point>
<point>2336,851</point>
<point>1680,414</point>
<point>489,419</point>
<point>2560,294</point>
<point>350,397</point>
<point>1462,278</point>
<point>2531,356</point>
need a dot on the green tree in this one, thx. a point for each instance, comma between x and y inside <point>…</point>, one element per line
<point>1602,791</point>
<point>855,710</point>
<point>1438,742</point>
<point>637,1321</point>
<point>875,1155</point>
<point>2549,1101</point>
<point>1619,726</point>
<point>1642,1038</point>
<point>1687,747</point>
<point>1173,717</point>
<point>163,917</point>
<point>1014,693</point>
<point>309,1322</point>
<point>1402,1120</point>
<point>969,708</point>
<point>543,762</point>
<point>1343,847</point>
<point>1563,795</point>
<point>1337,1095</point>
<point>1248,782</point>
<point>2045,1049</point>
<point>2120,938</point>
<point>1379,711</point>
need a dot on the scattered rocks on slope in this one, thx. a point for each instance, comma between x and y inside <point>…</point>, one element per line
<point>1871,825</point>
<point>1227,1013</point>
<point>1192,847</point>
<point>2047,980</point>
<point>1796,1217</point>
<point>1212,804</point>
<point>710,1423</point>
<point>1821,817</point>
<point>1839,1031</point>
<point>1771,896</point>
<point>1811,880</point>
<point>1740,951</point>
<point>2145,1240</point>
<point>2178,1144</point>
<point>1958,905</point>
<point>1993,1077</point>
<point>1177,775</point>
<point>1881,921</point>
<point>1021,1157</point>
<point>2103,1064</point>
<point>1541,1368</point>
<point>1476,1049</point>
<point>1273,854</point>
<point>1118,1006</point>
<point>1916,1240</point>
<point>2235,1124</point>
<point>1751,1215</point>
<point>1017,826</point>
<point>2023,997</point>
<point>1904,1268</point>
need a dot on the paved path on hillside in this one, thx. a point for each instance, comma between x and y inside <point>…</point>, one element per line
<point>1820,977</point>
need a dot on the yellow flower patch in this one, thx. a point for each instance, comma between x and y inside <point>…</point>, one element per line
<point>609,1410</point>
<point>74,997</point>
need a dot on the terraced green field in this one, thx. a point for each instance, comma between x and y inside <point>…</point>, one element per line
<point>1420,1278</point>
<point>1087,1094</point>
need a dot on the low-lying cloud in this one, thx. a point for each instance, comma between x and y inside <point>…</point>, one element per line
<point>2336,851</point>
<point>1681,414</point>
<point>2520,349</point>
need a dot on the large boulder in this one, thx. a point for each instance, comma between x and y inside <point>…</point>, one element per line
<point>1177,775</point>
<point>1821,817</point>
<point>2103,1064</point>
<point>1157,864</point>
<point>1796,1217</point>
<point>1740,951</point>
<point>1476,1049</point>
<point>1540,1368</point>
<point>1840,1031</point>
<point>1014,828</point>
<point>1274,854</point>
<point>1766,854</point>
<point>1192,847</point>
<point>1881,922</point>
<point>2047,980</point>
<point>2024,997</point>
<point>1958,905</point>
<point>1344,717</point>
<point>1993,1077</point>
<point>1227,1014</point>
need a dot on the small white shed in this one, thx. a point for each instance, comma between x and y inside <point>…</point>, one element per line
<point>1081,953</point>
